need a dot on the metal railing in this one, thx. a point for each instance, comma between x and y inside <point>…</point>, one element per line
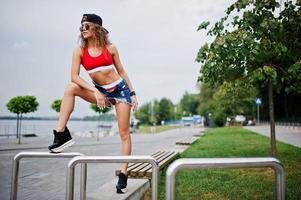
<point>292,125</point>
<point>202,163</point>
<point>108,159</point>
<point>11,130</point>
<point>19,156</point>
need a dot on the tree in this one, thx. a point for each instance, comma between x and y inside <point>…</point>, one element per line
<point>56,105</point>
<point>149,109</point>
<point>21,105</point>
<point>100,112</point>
<point>143,114</point>
<point>190,103</point>
<point>205,98</point>
<point>261,46</point>
<point>164,110</point>
<point>178,111</point>
<point>231,99</point>
<point>227,100</point>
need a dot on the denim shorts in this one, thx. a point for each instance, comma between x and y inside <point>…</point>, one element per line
<point>119,92</point>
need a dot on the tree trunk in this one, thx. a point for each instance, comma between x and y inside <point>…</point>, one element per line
<point>272,120</point>
<point>20,134</point>
<point>98,126</point>
<point>17,131</point>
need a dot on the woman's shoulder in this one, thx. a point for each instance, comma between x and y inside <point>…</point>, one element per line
<point>112,48</point>
<point>78,50</point>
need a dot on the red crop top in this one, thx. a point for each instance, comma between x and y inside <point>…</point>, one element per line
<point>92,64</point>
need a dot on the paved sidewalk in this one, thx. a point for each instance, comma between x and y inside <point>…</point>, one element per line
<point>284,134</point>
<point>46,178</point>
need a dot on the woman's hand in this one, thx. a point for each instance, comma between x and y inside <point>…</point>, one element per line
<point>100,99</point>
<point>134,102</point>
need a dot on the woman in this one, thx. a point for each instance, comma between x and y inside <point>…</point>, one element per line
<point>111,87</point>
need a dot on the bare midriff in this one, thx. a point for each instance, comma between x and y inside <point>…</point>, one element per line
<point>105,77</point>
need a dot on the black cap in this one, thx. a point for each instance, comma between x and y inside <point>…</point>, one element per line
<point>93,18</point>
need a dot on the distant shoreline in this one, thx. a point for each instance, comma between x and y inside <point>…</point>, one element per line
<point>35,118</point>
<point>108,117</point>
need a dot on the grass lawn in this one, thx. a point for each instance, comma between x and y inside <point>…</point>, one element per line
<point>239,184</point>
<point>147,129</point>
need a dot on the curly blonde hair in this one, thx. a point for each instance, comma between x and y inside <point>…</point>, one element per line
<point>100,34</point>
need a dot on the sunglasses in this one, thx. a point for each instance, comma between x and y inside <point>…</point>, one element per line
<point>86,26</point>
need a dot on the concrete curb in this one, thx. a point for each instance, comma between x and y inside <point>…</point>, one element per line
<point>136,187</point>
<point>45,147</point>
<point>135,190</point>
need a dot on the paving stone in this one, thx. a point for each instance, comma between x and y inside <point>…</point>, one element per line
<point>46,178</point>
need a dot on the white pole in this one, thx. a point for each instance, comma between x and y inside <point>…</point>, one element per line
<point>258,113</point>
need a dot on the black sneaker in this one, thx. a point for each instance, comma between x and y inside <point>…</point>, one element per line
<point>61,141</point>
<point>122,183</point>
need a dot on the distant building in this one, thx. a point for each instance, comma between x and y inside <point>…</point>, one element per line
<point>187,121</point>
<point>194,120</point>
<point>197,119</point>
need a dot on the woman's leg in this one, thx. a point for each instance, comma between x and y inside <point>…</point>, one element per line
<point>123,112</point>
<point>68,100</point>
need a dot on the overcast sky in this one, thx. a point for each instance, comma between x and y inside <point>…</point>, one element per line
<point>157,42</point>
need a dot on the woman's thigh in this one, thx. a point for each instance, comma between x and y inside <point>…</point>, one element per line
<point>84,93</point>
<point>123,111</point>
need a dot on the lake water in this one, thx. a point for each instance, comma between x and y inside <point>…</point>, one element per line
<point>43,127</point>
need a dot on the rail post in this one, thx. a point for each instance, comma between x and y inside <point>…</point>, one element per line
<point>109,159</point>
<point>16,166</point>
<point>202,163</point>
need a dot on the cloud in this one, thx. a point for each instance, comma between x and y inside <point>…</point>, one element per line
<point>20,44</point>
<point>157,41</point>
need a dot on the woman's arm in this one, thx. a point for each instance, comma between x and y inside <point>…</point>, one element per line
<point>119,67</point>
<point>75,78</point>
<point>122,73</point>
<point>75,69</point>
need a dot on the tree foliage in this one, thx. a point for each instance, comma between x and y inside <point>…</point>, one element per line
<point>156,111</point>
<point>189,103</point>
<point>96,109</point>
<point>164,111</point>
<point>144,113</point>
<point>258,46</point>
<point>56,105</point>
<point>205,98</point>
<point>227,100</point>
<point>22,104</point>
<point>233,98</point>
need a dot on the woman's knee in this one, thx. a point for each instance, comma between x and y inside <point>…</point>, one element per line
<point>125,135</point>
<point>72,88</point>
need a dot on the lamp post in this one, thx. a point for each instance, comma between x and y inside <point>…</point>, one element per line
<point>258,102</point>
<point>175,113</point>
